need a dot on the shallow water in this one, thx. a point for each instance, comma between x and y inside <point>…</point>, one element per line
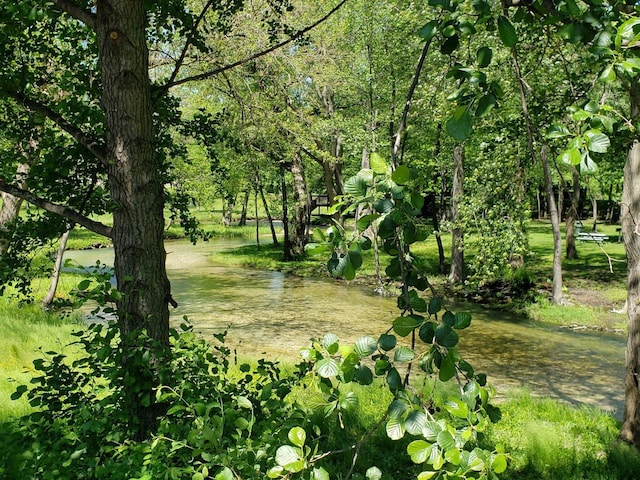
<point>277,314</point>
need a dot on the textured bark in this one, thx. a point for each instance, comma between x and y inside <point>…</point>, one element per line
<point>572,216</point>
<point>136,188</point>
<point>11,205</point>
<point>57,268</point>
<point>456,274</point>
<point>302,207</point>
<point>286,248</point>
<point>555,226</point>
<point>245,203</point>
<point>265,204</point>
<point>630,430</point>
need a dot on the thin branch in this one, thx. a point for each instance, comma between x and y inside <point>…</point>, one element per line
<point>77,12</point>
<point>65,212</point>
<point>187,44</point>
<point>294,37</point>
<point>91,144</point>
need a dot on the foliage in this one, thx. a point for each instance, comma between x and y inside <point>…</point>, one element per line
<point>446,433</point>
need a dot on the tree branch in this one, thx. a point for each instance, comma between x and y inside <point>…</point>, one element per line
<point>65,212</point>
<point>91,144</point>
<point>77,12</point>
<point>295,36</point>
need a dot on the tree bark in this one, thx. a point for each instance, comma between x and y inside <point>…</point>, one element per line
<point>555,226</point>
<point>274,237</point>
<point>286,248</point>
<point>57,269</point>
<point>630,213</point>
<point>11,206</point>
<point>302,207</point>
<point>456,274</point>
<point>136,188</point>
<point>245,203</point>
<point>572,216</point>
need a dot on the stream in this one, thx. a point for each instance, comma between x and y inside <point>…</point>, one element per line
<point>275,314</point>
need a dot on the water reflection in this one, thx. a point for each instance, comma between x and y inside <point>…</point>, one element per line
<point>276,314</point>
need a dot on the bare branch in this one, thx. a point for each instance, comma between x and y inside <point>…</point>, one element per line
<point>65,212</point>
<point>77,12</point>
<point>91,144</point>
<point>224,68</point>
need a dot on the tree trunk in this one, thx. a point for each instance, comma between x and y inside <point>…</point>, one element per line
<point>302,207</point>
<point>274,237</point>
<point>630,430</point>
<point>57,268</point>
<point>555,226</point>
<point>572,216</point>
<point>456,274</point>
<point>245,203</point>
<point>286,248</point>
<point>228,202</point>
<point>594,206</point>
<point>11,206</point>
<point>136,188</point>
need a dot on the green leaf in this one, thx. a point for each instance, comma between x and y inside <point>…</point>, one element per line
<point>356,186</point>
<point>427,332</point>
<point>453,456</point>
<point>403,326</point>
<point>349,271</point>
<point>286,455</point>
<point>485,105</point>
<point>395,429</point>
<point>571,156</point>
<point>462,321</point>
<point>349,402</point>
<point>415,422</point>
<point>457,407</point>
<point>507,32</point>
<point>378,163</point>
<point>396,409</point>
<point>557,131</point>
<point>431,430</point>
<point>297,436</point>
<point>84,284</point>
<point>587,165</point>
<point>597,141</point>
<point>365,346</point>
<point>403,354</point>
<point>363,375</point>
<point>435,305</point>
<point>446,440</point>
<point>499,463</point>
<point>327,367</point>
<point>330,341</point>
<point>244,402</point>
<point>419,451</point>
<point>429,30</point>
<point>447,369</point>
<point>225,474</point>
<point>373,473</point>
<point>393,380</point>
<point>449,45</point>
<point>355,258</point>
<point>366,220</point>
<point>460,125</point>
<point>319,474</point>
<point>446,336</point>
<point>426,475</point>
<point>387,342</point>
<point>401,175</point>
<point>484,56</point>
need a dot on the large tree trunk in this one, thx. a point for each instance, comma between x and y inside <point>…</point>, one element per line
<point>11,206</point>
<point>456,274</point>
<point>301,208</point>
<point>286,247</point>
<point>265,204</point>
<point>630,430</point>
<point>555,226</point>
<point>572,216</point>
<point>136,188</point>
<point>245,203</point>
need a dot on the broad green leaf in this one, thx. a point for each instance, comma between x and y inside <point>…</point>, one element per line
<point>244,402</point>
<point>349,402</point>
<point>415,422</point>
<point>286,455</point>
<point>327,367</point>
<point>507,32</point>
<point>395,429</point>
<point>449,45</point>
<point>297,436</point>
<point>571,156</point>
<point>315,249</point>
<point>435,459</point>
<point>428,31</point>
<point>355,257</point>
<point>435,305</point>
<point>557,131</point>
<point>447,369</point>
<point>349,271</point>
<point>448,318</point>
<point>373,473</point>
<point>84,284</point>
<point>431,430</point>
<point>403,354</point>
<point>499,463</point>
<point>225,474</point>
<point>587,165</point>
<point>365,346</point>
<point>460,125</point>
<point>426,475</point>
<point>485,105</point>
<point>356,186</point>
<point>274,472</point>
<point>446,336</point>
<point>462,320</point>
<point>401,175</point>
<point>331,342</point>
<point>484,56</point>
<point>453,456</point>
<point>419,451</point>
<point>403,326</point>
<point>457,407</point>
<point>597,141</point>
<point>396,409</point>
<point>364,222</point>
<point>319,474</point>
<point>378,163</point>
<point>387,342</point>
<point>627,31</point>
<point>427,332</point>
<point>363,375</point>
<point>393,380</point>
<point>446,440</point>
